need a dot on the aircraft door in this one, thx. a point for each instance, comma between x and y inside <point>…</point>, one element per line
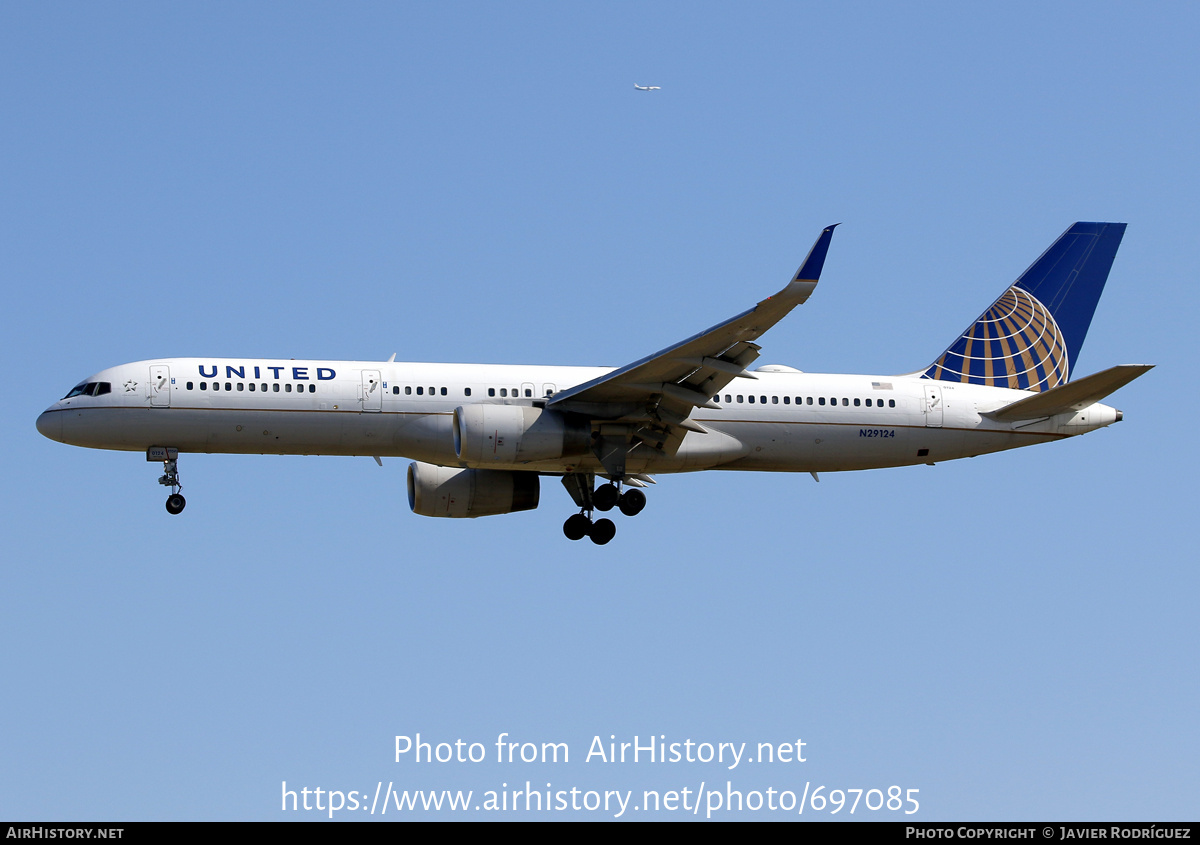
<point>372,391</point>
<point>933,405</point>
<point>160,386</point>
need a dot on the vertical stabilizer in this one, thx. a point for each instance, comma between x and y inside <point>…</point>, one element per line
<point>1029,338</point>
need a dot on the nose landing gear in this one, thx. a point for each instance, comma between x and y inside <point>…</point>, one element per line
<point>170,476</point>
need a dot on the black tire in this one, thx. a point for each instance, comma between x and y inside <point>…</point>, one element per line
<point>606,496</point>
<point>632,502</point>
<point>602,531</point>
<point>175,503</point>
<point>577,527</point>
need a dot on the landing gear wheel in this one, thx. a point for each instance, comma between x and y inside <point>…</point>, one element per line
<point>602,531</point>
<point>577,526</point>
<point>632,501</point>
<point>605,498</point>
<point>170,477</point>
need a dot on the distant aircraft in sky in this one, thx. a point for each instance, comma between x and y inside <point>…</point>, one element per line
<point>647,87</point>
<point>481,436</point>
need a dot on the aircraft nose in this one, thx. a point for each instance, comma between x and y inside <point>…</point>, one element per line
<point>50,425</point>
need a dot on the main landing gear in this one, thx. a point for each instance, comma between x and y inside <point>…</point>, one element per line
<point>170,476</point>
<point>604,498</point>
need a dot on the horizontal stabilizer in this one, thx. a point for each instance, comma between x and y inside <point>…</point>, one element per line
<point>1073,396</point>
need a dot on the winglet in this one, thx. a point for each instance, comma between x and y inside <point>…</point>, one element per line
<point>810,270</point>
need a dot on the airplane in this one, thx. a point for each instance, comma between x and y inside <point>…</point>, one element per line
<point>481,436</point>
<point>647,87</point>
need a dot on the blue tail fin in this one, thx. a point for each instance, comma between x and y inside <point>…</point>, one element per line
<point>1029,338</point>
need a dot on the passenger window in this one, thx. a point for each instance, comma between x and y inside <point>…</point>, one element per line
<point>312,388</point>
<point>228,386</point>
<point>868,403</point>
<point>504,391</point>
<point>396,390</point>
<point>751,398</point>
<point>787,400</point>
<point>857,403</point>
<point>491,391</point>
<point>420,391</point>
<point>821,401</point>
<point>891,403</point>
<point>241,386</point>
<point>845,401</point>
<point>216,385</point>
<point>408,390</point>
<point>264,387</point>
<point>729,399</point>
<point>288,387</point>
<point>189,385</point>
<point>763,399</point>
<point>739,397</point>
<point>467,392</point>
<point>528,392</point>
<point>809,400</point>
<point>275,387</point>
<point>251,386</point>
<point>204,385</point>
<point>443,391</point>
<point>774,400</point>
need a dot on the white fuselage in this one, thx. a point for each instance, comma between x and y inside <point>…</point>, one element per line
<point>783,420</point>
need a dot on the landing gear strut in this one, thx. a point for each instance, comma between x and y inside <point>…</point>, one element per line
<point>170,476</point>
<point>603,498</point>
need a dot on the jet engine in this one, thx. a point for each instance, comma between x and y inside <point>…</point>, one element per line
<point>509,434</point>
<point>448,491</point>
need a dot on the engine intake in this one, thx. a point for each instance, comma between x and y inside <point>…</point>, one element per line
<point>448,491</point>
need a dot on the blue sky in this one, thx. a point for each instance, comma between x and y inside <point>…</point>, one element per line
<point>1014,635</point>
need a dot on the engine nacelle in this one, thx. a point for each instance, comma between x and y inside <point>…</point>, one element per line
<point>448,491</point>
<point>509,434</point>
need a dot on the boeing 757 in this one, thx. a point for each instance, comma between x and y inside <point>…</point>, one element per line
<point>482,436</point>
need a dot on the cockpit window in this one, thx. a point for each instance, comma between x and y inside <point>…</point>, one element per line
<point>90,388</point>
